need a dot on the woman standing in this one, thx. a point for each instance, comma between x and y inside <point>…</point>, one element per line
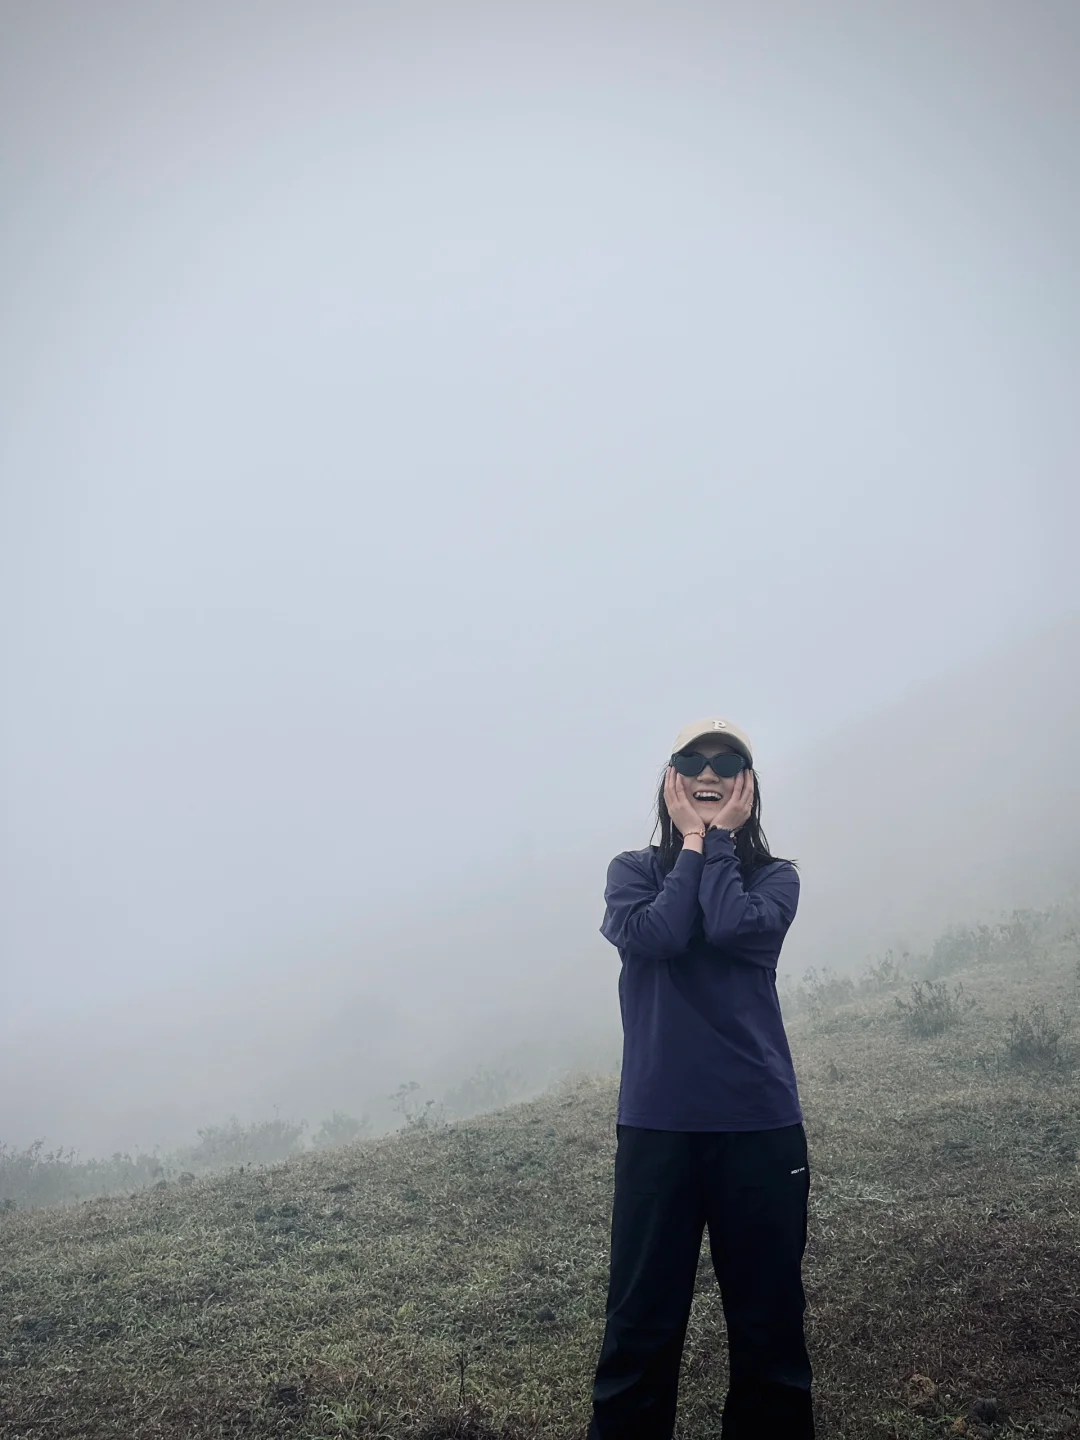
<point>710,1129</point>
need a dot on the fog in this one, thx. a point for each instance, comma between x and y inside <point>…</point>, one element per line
<point>411,416</point>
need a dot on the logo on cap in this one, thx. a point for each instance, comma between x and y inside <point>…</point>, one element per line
<point>718,725</point>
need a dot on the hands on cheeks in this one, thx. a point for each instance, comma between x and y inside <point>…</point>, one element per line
<point>735,811</point>
<point>680,807</point>
<point>733,814</point>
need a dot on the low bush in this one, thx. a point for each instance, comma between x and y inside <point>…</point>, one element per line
<point>228,1146</point>
<point>485,1090</point>
<point>33,1177</point>
<point>416,1113</point>
<point>962,946</point>
<point>1033,1040</point>
<point>819,992</point>
<point>932,1009</point>
<point>341,1129</point>
<point>884,973</point>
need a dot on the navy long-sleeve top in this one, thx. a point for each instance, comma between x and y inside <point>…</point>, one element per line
<point>704,1046</point>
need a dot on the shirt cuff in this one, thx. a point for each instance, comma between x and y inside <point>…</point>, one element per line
<point>719,844</point>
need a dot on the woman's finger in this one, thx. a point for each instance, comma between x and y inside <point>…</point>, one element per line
<point>680,794</point>
<point>749,786</point>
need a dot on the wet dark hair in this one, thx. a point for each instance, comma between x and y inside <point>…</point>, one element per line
<point>751,846</point>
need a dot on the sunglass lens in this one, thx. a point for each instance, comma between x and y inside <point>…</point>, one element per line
<point>727,765</point>
<point>689,764</point>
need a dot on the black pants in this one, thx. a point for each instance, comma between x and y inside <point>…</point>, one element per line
<point>751,1188</point>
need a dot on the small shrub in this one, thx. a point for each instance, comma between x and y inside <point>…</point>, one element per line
<point>818,993</point>
<point>960,947</point>
<point>226,1147</point>
<point>883,973</point>
<point>416,1114</point>
<point>931,1009</point>
<point>1020,932</point>
<point>1033,1040</point>
<point>341,1129</point>
<point>483,1091</point>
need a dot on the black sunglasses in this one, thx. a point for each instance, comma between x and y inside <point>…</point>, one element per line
<point>726,765</point>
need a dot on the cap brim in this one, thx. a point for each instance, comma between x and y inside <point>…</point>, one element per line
<point>731,741</point>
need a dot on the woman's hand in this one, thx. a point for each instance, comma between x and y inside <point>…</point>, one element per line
<point>680,807</point>
<point>735,810</point>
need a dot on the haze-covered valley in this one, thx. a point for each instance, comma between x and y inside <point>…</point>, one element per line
<point>957,804</point>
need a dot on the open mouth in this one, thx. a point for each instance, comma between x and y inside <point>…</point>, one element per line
<point>708,797</point>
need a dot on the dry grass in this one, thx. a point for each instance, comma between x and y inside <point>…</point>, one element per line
<point>450,1282</point>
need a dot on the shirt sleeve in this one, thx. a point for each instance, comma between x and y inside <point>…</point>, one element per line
<point>747,923</point>
<point>644,919</point>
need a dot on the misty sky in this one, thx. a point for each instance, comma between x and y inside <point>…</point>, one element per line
<point>410,416</point>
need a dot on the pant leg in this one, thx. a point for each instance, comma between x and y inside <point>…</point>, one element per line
<point>657,1222</point>
<point>757,1187</point>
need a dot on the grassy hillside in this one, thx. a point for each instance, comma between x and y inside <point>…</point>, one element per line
<point>449,1281</point>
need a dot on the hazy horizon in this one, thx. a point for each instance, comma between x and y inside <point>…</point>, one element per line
<point>339,1021</point>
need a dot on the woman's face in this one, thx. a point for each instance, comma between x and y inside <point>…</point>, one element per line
<point>709,791</point>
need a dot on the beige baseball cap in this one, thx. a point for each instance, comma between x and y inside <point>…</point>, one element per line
<point>717,729</point>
